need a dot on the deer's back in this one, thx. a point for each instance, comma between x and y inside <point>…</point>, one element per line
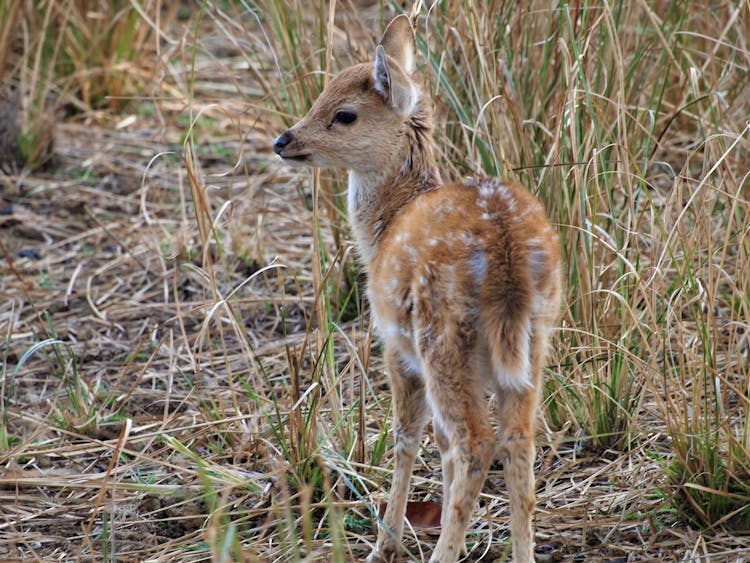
<point>459,255</point>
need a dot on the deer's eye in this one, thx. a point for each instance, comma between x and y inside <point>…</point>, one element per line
<point>345,117</point>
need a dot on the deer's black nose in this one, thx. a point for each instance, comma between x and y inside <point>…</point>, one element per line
<point>282,141</point>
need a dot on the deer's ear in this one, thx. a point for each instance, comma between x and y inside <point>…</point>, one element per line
<point>394,64</point>
<point>398,43</point>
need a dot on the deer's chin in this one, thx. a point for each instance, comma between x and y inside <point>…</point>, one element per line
<point>308,161</point>
<point>296,159</point>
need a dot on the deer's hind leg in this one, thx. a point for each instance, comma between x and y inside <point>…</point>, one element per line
<point>448,467</point>
<point>461,417</point>
<point>516,413</point>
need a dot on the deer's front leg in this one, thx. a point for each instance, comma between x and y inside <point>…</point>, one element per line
<point>409,417</point>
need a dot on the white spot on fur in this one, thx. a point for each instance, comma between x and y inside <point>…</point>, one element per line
<point>487,191</point>
<point>537,256</point>
<point>467,239</point>
<point>442,209</point>
<point>412,252</point>
<point>478,265</point>
<point>492,188</point>
<point>392,285</point>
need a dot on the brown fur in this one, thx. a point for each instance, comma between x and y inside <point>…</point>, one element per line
<point>464,282</point>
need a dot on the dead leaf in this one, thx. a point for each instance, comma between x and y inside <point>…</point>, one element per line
<point>422,515</point>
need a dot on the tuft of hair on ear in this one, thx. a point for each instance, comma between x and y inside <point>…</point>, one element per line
<point>395,85</point>
<point>381,74</point>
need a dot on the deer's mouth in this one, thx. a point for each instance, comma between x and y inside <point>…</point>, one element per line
<point>295,157</point>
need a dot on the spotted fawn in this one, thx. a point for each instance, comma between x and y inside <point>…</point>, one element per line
<point>464,282</point>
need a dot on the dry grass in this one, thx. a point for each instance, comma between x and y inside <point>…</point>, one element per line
<point>188,372</point>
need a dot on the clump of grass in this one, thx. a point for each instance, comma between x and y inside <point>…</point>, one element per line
<point>705,403</point>
<point>26,91</point>
<point>603,404</point>
<point>82,55</point>
<point>102,53</point>
<point>83,405</point>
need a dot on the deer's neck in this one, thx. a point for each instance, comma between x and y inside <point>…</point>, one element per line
<point>376,197</point>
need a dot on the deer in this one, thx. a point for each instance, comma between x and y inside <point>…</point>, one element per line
<point>464,286</point>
